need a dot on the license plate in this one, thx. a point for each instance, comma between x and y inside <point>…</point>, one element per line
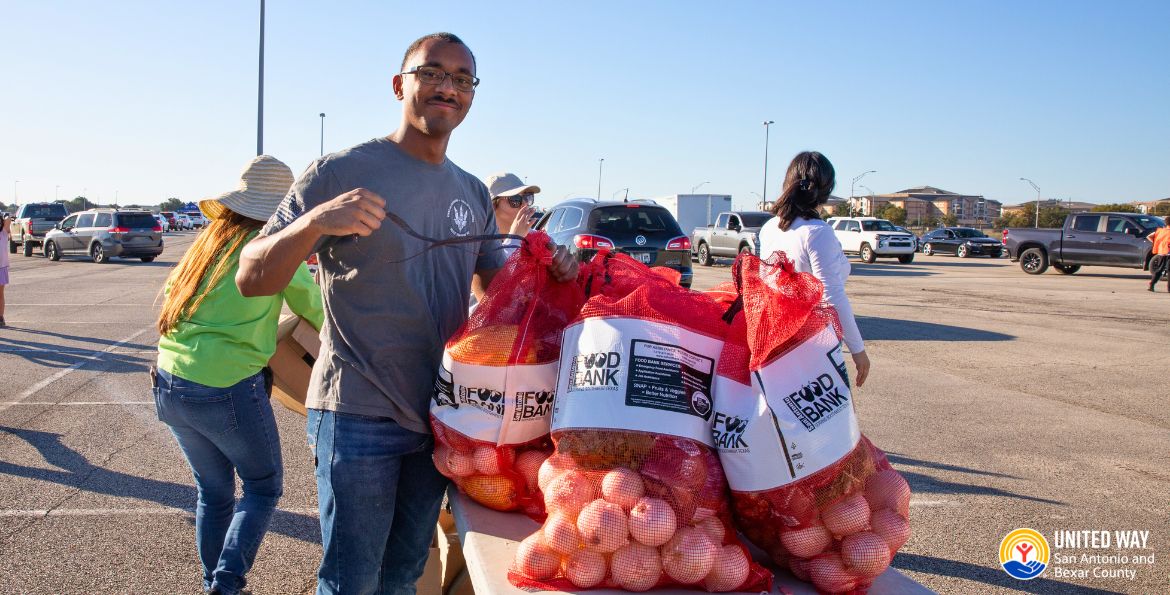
<point>643,257</point>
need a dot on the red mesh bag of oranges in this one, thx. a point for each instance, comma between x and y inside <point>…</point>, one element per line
<point>493,396</point>
<point>635,495</point>
<point>807,487</point>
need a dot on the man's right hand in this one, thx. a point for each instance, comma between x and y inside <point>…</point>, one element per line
<point>358,211</point>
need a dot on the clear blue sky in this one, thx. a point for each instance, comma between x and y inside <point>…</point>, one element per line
<point>156,99</point>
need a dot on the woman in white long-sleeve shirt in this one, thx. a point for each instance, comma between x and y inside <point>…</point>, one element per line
<point>798,232</point>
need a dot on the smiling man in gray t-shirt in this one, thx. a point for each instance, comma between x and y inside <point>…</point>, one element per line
<point>390,305</point>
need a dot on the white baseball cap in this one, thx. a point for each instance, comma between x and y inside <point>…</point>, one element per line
<point>507,184</point>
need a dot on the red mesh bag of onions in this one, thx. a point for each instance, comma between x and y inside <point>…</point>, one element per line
<point>806,486</point>
<point>493,396</point>
<point>635,494</point>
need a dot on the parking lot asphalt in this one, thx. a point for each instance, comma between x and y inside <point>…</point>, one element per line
<point>1007,400</point>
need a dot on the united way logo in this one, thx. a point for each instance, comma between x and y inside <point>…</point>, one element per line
<point>460,217</point>
<point>1024,554</point>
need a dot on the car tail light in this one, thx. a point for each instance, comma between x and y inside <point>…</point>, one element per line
<point>1004,237</point>
<point>591,242</point>
<point>679,243</point>
<point>312,259</point>
<point>632,206</point>
<point>156,228</point>
<point>119,229</point>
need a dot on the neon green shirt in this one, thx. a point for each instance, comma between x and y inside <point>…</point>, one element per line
<point>231,337</point>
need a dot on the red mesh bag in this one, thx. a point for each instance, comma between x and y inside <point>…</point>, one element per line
<point>635,494</point>
<point>493,397</point>
<point>807,487</point>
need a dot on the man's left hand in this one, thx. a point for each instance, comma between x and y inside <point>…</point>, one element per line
<point>563,266</point>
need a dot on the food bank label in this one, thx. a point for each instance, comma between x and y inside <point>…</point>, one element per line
<point>499,404</point>
<point>636,374</point>
<point>795,419</point>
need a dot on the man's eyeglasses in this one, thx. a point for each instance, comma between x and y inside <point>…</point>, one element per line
<point>519,200</point>
<point>430,75</point>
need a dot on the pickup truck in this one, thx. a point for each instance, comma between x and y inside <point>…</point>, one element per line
<point>732,234</point>
<point>30,224</point>
<point>1097,239</point>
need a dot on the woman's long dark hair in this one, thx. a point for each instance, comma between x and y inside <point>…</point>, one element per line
<point>807,185</point>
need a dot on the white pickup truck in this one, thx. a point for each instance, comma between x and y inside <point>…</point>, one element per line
<point>872,238</point>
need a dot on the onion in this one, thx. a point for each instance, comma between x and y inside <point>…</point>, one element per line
<point>528,466</point>
<point>688,556</point>
<point>622,487</point>
<point>888,489</point>
<point>829,574</point>
<point>535,560</point>
<point>460,464</point>
<point>891,527</point>
<point>560,534</point>
<point>569,492</point>
<point>636,567</point>
<point>865,554</point>
<point>584,569</point>
<point>652,521</point>
<point>603,526</point>
<point>714,529</point>
<point>847,516</point>
<point>489,460</point>
<point>806,542</point>
<point>550,469</point>
<point>795,506</point>
<point>730,570</point>
<point>799,568</point>
<point>440,456</point>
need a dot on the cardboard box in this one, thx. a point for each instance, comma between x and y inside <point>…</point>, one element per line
<point>445,562</point>
<point>297,346</point>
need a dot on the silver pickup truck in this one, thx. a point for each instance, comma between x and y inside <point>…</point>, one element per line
<point>732,234</point>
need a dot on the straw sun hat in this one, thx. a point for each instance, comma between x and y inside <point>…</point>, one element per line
<point>263,184</point>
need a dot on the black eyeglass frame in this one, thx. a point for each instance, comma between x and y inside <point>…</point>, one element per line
<point>415,71</point>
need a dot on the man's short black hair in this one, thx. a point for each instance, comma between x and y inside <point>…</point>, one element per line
<point>442,36</point>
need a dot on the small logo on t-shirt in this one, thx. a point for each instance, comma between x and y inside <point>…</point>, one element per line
<point>461,217</point>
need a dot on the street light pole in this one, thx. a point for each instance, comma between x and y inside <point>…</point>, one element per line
<point>15,196</point>
<point>854,183</point>
<point>1037,200</point>
<point>599,163</point>
<point>697,186</point>
<point>322,133</point>
<point>57,193</point>
<point>260,90</point>
<point>767,127</point>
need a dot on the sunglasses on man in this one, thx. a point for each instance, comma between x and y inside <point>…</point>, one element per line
<point>519,200</point>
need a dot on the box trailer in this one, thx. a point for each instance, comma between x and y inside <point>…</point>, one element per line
<point>695,210</point>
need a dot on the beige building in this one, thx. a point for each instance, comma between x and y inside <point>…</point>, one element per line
<point>927,203</point>
<point>1049,203</point>
<point>1152,207</point>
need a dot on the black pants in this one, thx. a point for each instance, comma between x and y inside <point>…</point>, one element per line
<point>1158,266</point>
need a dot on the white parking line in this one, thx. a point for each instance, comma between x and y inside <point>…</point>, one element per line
<point>934,503</point>
<point>32,390</point>
<point>151,511</point>
<point>51,404</point>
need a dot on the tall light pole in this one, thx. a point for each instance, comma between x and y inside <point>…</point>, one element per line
<point>599,162</point>
<point>854,183</point>
<point>696,186</point>
<point>1037,199</point>
<point>322,133</point>
<point>260,90</point>
<point>767,125</point>
<point>870,191</point>
<point>57,193</point>
<point>15,196</point>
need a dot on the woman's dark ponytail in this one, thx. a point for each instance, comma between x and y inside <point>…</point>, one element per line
<point>807,185</point>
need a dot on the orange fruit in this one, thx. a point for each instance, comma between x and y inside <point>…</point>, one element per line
<point>493,491</point>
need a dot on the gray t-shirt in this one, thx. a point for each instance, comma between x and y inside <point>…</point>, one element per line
<point>386,322</point>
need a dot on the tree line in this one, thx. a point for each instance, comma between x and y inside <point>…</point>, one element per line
<point>81,203</point>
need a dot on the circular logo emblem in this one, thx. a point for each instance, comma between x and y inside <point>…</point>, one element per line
<point>1023,554</point>
<point>700,403</point>
<point>640,240</point>
<point>460,217</point>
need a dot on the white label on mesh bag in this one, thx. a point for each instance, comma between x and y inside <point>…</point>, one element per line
<point>636,374</point>
<point>796,419</point>
<point>499,404</point>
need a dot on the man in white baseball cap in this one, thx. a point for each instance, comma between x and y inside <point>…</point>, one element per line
<point>512,201</point>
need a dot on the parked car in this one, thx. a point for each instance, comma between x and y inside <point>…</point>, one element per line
<point>105,233</point>
<point>183,221</point>
<point>198,221</point>
<point>31,222</point>
<point>960,241</point>
<point>917,240</point>
<point>172,224</point>
<point>162,222</point>
<point>733,233</point>
<point>873,238</point>
<point>642,229</point>
<point>1099,239</point>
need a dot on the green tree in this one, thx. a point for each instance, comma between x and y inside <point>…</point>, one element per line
<point>1114,208</point>
<point>1162,209</point>
<point>170,204</point>
<point>950,220</point>
<point>894,214</point>
<point>841,210</point>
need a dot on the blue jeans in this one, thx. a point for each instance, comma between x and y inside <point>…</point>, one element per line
<point>379,496</point>
<point>223,432</point>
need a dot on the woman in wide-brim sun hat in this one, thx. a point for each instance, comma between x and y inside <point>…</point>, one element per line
<point>212,386</point>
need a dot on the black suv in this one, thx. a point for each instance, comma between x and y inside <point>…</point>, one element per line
<point>642,229</point>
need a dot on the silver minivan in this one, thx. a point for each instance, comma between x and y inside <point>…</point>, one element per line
<point>104,233</point>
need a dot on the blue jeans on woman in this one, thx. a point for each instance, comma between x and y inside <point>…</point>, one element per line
<point>223,432</point>
<point>379,496</point>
